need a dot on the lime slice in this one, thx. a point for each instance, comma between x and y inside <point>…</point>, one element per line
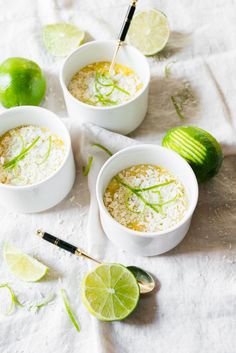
<point>110,292</point>
<point>62,38</point>
<point>22,265</point>
<point>149,31</point>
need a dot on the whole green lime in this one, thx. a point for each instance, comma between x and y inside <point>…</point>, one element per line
<point>200,149</point>
<point>21,83</point>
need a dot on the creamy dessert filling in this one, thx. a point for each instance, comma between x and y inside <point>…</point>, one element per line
<point>146,198</point>
<point>29,154</point>
<point>95,86</point>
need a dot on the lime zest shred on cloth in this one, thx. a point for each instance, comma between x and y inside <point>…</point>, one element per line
<point>86,170</point>
<point>103,148</point>
<point>68,309</point>
<point>178,109</point>
<point>14,300</point>
<point>47,300</point>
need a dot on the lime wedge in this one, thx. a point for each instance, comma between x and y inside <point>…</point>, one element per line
<point>149,31</point>
<point>22,265</point>
<point>110,292</point>
<point>62,38</point>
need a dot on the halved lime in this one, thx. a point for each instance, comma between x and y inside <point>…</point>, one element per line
<point>110,292</point>
<point>149,31</point>
<point>62,38</point>
<point>22,265</point>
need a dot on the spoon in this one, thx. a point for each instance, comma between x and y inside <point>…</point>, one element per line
<point>123,32</point>
<point>145,280</point>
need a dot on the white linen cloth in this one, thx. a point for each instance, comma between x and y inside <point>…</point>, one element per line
<point>193,309</point>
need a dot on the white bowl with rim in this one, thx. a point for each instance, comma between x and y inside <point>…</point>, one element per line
<point>122,118</point>
<point>50,191</point>
<point>147,243</point>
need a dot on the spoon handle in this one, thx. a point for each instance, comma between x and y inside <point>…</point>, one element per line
<point>64,245</point>
<point>123,32</point>
<point>128,19</point>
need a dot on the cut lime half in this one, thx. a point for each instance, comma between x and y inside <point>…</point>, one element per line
<point>22,265</point>
<point>149,31</point>
<point>110,292</point>
<point>60,39</point>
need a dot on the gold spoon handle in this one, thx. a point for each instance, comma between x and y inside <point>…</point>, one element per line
<point>64,245</point>
<point>124,31</point>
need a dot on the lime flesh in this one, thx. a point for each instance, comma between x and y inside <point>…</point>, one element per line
<point>62,38</point>
<point>110,292</point>
<point>149,31</point>
<point>22,265</point>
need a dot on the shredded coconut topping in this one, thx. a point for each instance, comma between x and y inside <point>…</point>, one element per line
<point>146,198</point>
<point>29,154</point>
<point>93,84</point>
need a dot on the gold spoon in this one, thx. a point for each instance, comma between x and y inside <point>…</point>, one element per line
<point>144,279</point>
<point>123,32</point>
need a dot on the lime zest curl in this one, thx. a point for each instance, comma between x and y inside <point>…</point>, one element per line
<point>86,170</point>
<point>68,309</point>
<point>14,300</point>
<point>12,163</point>
<point>44,302</point>
<point>48,151</point>
<point>103,148</point>
<point>104,80</point>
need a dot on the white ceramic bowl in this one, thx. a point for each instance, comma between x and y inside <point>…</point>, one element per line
<point>49,192</point>
<point>143,243</point>
<point>122,118</point>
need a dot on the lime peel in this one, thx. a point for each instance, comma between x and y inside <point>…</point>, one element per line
<point>86,170</point>
<point>103,148</point>
<point>68,309</point>
<point>14,300</point>
<point>43,303</point>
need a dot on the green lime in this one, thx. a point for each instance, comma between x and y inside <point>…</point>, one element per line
<point>22,265</point>
<point>200,149</point>
<point>62,38</point>
<point>149,31</point>
<point>110,292</point>
<point>21,83</point>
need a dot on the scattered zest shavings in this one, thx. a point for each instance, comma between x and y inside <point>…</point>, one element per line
<point>103,148</point>
<point>178,107</point>
<point>167,69</point>
<point>68,309</point>
<point>14,300</point>
<point>86,170</point>
<point>45,302</point>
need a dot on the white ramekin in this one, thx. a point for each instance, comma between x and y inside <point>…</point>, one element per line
<point>49,192</point>
<point>122,118</point>
<point>141,243</point>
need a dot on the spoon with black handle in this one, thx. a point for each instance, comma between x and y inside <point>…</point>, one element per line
<point>144,279</point>
<point>123,32</point>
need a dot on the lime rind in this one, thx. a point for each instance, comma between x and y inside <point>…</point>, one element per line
<point>149,31</point>
<point>22,265</point>
<point>200,149</point>
<point>60,39</point>
<point>110,292</point>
